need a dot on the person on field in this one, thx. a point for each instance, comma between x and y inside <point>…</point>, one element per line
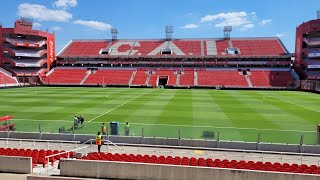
<point>126,129</point>
<point>104,129</point>
<point>99,141</point>
<point>75,122</point>
<point>81,120</point>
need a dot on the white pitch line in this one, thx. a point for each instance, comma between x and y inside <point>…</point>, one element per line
<point>171,125</point>
<point>119,105</point>
<point>294,103</point>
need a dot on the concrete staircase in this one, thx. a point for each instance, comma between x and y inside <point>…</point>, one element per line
<point>249,81</point>
<point>132,47</point>
<point>88,73</point>
<point>294,74</point>
<point>202,48</point>
<point>148,79</point>
<point>178,80</point>
<point>195,78</point>
<point>132,77</point>
<point>212,48</point>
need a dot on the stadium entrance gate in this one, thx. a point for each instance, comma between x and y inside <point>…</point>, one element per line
<point>163,80</point>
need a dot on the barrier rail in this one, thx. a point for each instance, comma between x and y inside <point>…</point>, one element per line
<point>61,143</point>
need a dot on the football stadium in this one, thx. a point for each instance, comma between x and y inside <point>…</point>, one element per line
<point>221,107</point>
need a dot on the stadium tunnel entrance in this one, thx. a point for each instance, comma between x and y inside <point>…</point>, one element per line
<point>163,80</point>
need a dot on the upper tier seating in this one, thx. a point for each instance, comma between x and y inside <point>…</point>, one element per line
<point>192,48</point>
<point>187,79</point>
<point>261,47</point>
<point>180,47</point>
<point>110,77</point>
<point>65,76</point>
<point>38,156</point>
<point>216,163</point>
<point>221,78</point>
<point>140,78</point>
<point>172,78</point>
<point>84,48</point>
<point>267,78</point>
<point>146,47</point>
<point>222,45</point>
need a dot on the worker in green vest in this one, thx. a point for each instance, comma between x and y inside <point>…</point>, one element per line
<point>99,141</point>
<point>104,129</point>
<point>126,129</point>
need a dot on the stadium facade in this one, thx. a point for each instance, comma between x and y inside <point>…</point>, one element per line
<point>307,55</point>
<point>25,52</point>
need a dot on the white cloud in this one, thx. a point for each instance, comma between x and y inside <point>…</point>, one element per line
<point>56,28</point>
<point>41,13</point>
<point>190,26</point>
<point>235,19</point>
<point>36,24</point>
<point>265,21</point>
<point>246,27</point>
<point>64,4</point>
<point>94,24</point>
<point>280,35</point>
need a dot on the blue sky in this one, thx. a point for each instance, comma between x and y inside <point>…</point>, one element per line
<point>92,19</point>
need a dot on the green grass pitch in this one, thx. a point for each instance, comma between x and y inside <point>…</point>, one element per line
<point>278,116</point>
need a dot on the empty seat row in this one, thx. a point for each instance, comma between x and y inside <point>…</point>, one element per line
<point>214,163</point>
<point>38,156</point>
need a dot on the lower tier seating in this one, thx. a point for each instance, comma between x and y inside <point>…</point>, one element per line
<point>223,78</point>
<point>140,78</point>
<point>65,76</point>
<point>187,79</point>
<point>266,78</point>
<point>38,156</point>
<point>110,77</point>
<point>214,163</point>
<point>5,79</point>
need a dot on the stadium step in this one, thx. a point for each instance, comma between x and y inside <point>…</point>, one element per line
<point>132,77</point>
<point>85,77</point>
<point>294,74</point>
<point>211,48</point>
<point>249,81</point>
<point>202,48</point>
<point>148,79</point>
<point>178,80</point>
<point>132,49</point>
<point>195,78</point>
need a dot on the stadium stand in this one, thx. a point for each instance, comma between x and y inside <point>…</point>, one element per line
<point>38,156</point>
<point>140,77</point>
<point>65,76</point>
<point>221,77</point>
<point>214,163</point>
<point>259,47</point>
<point>110,77</point>
<point>84,48</point>
<point>6,78</point>
<point>187,78</point>
<point>267,78</point>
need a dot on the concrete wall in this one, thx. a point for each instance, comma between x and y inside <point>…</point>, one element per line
<point>38,177</point>
<point>123,170</point>
<point>11,164</point>
<point>314,149</point>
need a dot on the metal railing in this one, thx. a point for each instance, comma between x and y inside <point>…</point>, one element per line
<point>41,143</point>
